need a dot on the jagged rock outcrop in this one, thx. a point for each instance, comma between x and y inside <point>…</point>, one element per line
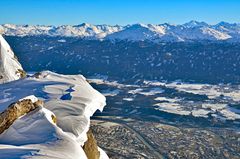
<point>10,68</point>
<point>90,146</point>
<point>16,110</point>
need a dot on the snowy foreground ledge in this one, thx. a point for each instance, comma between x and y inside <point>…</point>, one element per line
<point>35,135</point>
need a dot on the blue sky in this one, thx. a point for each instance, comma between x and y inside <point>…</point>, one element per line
<point>58,12</point>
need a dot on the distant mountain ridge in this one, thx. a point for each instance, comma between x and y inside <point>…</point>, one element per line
<point>190,31</point>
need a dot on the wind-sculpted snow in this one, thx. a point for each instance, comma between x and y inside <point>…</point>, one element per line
<point>68,97</point>
<point>36,136</point>
<point>51,88</point>
<point>190,31</point>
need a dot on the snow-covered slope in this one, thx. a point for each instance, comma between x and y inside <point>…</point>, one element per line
<point>69,98</point>
<point>192,30</point>
<point>199,33</point>
<point>35,135</point>
<point>10,68</point>
<point>137,32</point>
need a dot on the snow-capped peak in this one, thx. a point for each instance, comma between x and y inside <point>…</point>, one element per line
<point>194,23</point>
<point>136,32</point>
<point>193,30</point>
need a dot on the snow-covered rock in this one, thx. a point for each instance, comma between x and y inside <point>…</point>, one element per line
<point>10,68</point>
<point>35,135</point>
<point>68,97</point>
<point>16,110</point>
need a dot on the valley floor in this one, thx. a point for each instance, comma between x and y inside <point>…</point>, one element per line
<point>128,138</point>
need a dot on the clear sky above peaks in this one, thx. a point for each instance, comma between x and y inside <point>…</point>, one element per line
<point>59,12</point>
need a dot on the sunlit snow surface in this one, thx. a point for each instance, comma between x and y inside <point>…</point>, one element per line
<point>192,30</point>
<point>9,66</point>
<point>69,97</point>
<point>36,136</point>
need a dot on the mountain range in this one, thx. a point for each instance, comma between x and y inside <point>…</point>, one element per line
<point>191,31</point>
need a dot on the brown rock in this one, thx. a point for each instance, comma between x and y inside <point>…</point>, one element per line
<point>15,110</point>
<point>90,147</point>
<point>54,119</point>
<point>22,73</point>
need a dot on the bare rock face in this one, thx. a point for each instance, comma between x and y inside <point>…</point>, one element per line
<point>16,110</point>
<point>90,147</point>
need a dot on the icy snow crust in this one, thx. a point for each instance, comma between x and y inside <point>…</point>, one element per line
<point>68,97</point>
<point>8,63</point>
